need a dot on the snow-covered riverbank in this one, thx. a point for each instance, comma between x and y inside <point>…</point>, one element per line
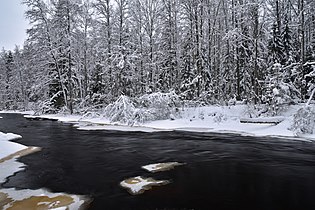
<point>222,119</point>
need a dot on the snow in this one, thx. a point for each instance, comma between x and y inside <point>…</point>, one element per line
<point>9,136</point>
<point>220,119</point>
<point>9,148</point>
<point>157,167</point>
<point>22,195</point>
<point>276,91</point>
<point>16,112</point>
<point>6,147</point>
<point>60,208</point>
<point>227,120</point>
<point>8,168</point>
<point>120,128</point>
<point>137,185</point>
<point>8,154</point>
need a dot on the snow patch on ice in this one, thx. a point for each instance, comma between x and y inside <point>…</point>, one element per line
<point>157,167</point>
<point>137,185</point>
<point>8,168</point>
<point>40,199</point>
<point>7,148</point>
<point>9,136</point>
<point>9,151</point>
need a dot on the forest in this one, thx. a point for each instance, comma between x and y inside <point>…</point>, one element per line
<point>84,55</point>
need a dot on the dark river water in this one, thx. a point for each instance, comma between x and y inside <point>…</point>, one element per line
<point>223,171</point>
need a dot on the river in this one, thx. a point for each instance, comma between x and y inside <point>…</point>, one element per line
<point>223,171</point>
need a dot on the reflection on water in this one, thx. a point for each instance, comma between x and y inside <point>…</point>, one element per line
<point>222,172</point>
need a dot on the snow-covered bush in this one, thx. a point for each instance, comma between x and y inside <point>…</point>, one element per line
<point>280,90</point>
<point>252,111</point>
<point>232,101</point>
<point>160,100</point>
<point>304,121</point>
<point>278,99</point>
<point>90,115</point>
<point>44,107</point>
<point>154,106</point>
<point>158,106</point>
<point>122,110</point>
<point>97,98</point>
<point>219,117</point>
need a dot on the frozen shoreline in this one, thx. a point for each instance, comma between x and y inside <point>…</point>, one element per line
<point>8,147</point>
<point>9,165</point>
<point>218,119</point>
<point>9,153</point>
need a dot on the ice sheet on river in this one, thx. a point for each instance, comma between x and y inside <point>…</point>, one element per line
<point>9,152</point>
<point>9,136</point>
<point>157,167</point>
<point>8,165</point>
<point>8,168</point>
<point>7,147</point>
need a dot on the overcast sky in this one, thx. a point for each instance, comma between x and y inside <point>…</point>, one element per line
<point>12,24</point>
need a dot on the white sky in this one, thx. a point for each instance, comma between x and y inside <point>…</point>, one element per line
<point>13,24</point>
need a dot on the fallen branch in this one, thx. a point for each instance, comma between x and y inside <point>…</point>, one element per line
<point>270,120</point>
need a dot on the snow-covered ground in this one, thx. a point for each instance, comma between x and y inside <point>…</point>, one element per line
<point>221,119</point>
<point>16,112</point>
<point>226,120</point>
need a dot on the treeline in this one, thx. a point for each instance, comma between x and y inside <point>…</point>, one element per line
<point>81,54</point>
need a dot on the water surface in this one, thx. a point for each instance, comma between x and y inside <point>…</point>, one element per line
<point>223,171</point>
